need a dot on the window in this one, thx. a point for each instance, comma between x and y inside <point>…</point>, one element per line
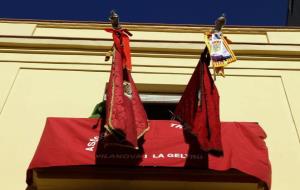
<point>159,105</point>
<point>159,99</point>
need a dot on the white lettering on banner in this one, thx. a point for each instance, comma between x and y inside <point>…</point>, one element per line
<point>121,156</point>
<point>177,155</point>
<point>158,156</point>
<point>154,156</point>
<point>92,143</point>
<point>176,125</point>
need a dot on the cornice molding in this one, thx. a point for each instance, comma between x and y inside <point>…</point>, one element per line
<point>154,27</point>
<point>44,45</point>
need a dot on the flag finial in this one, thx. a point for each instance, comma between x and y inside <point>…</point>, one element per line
<point>219,23</point>
<point>114,19</point>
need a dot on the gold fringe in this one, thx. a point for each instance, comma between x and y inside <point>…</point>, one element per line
<point>219,64</point>
<point>110,127</point>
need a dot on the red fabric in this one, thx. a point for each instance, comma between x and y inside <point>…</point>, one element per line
<point>126,118</point>
<point>70,141</point>
<point>121,42</point>
<point>64,141</point>
<point>244,149</point>
<point>202,115</point>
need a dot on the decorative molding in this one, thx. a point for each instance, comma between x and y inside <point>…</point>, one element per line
<point>43,45</point>
<point>150,26</point>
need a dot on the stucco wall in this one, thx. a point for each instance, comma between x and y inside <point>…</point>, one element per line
<point>58,69</point>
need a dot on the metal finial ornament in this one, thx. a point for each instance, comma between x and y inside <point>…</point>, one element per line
<point>114,19</point>
<point>219,23</point>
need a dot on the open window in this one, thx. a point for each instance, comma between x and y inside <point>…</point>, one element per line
<point>159,106</point>
<point>159,99</point>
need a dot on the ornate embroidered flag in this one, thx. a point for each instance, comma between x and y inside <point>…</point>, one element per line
<point>126,119</point>
<point>220,52</point>
<point>198,107</point>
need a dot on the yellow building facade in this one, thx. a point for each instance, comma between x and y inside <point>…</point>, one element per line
<point>57,69</point>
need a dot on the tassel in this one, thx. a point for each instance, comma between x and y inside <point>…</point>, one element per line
<point>108,55</point>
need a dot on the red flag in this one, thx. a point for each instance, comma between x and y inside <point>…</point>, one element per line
<point>199,107</point>
<point>126,118</point>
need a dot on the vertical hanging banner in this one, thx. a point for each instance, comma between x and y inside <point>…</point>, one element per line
<point>126,119</point>
<point>198,107</point>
